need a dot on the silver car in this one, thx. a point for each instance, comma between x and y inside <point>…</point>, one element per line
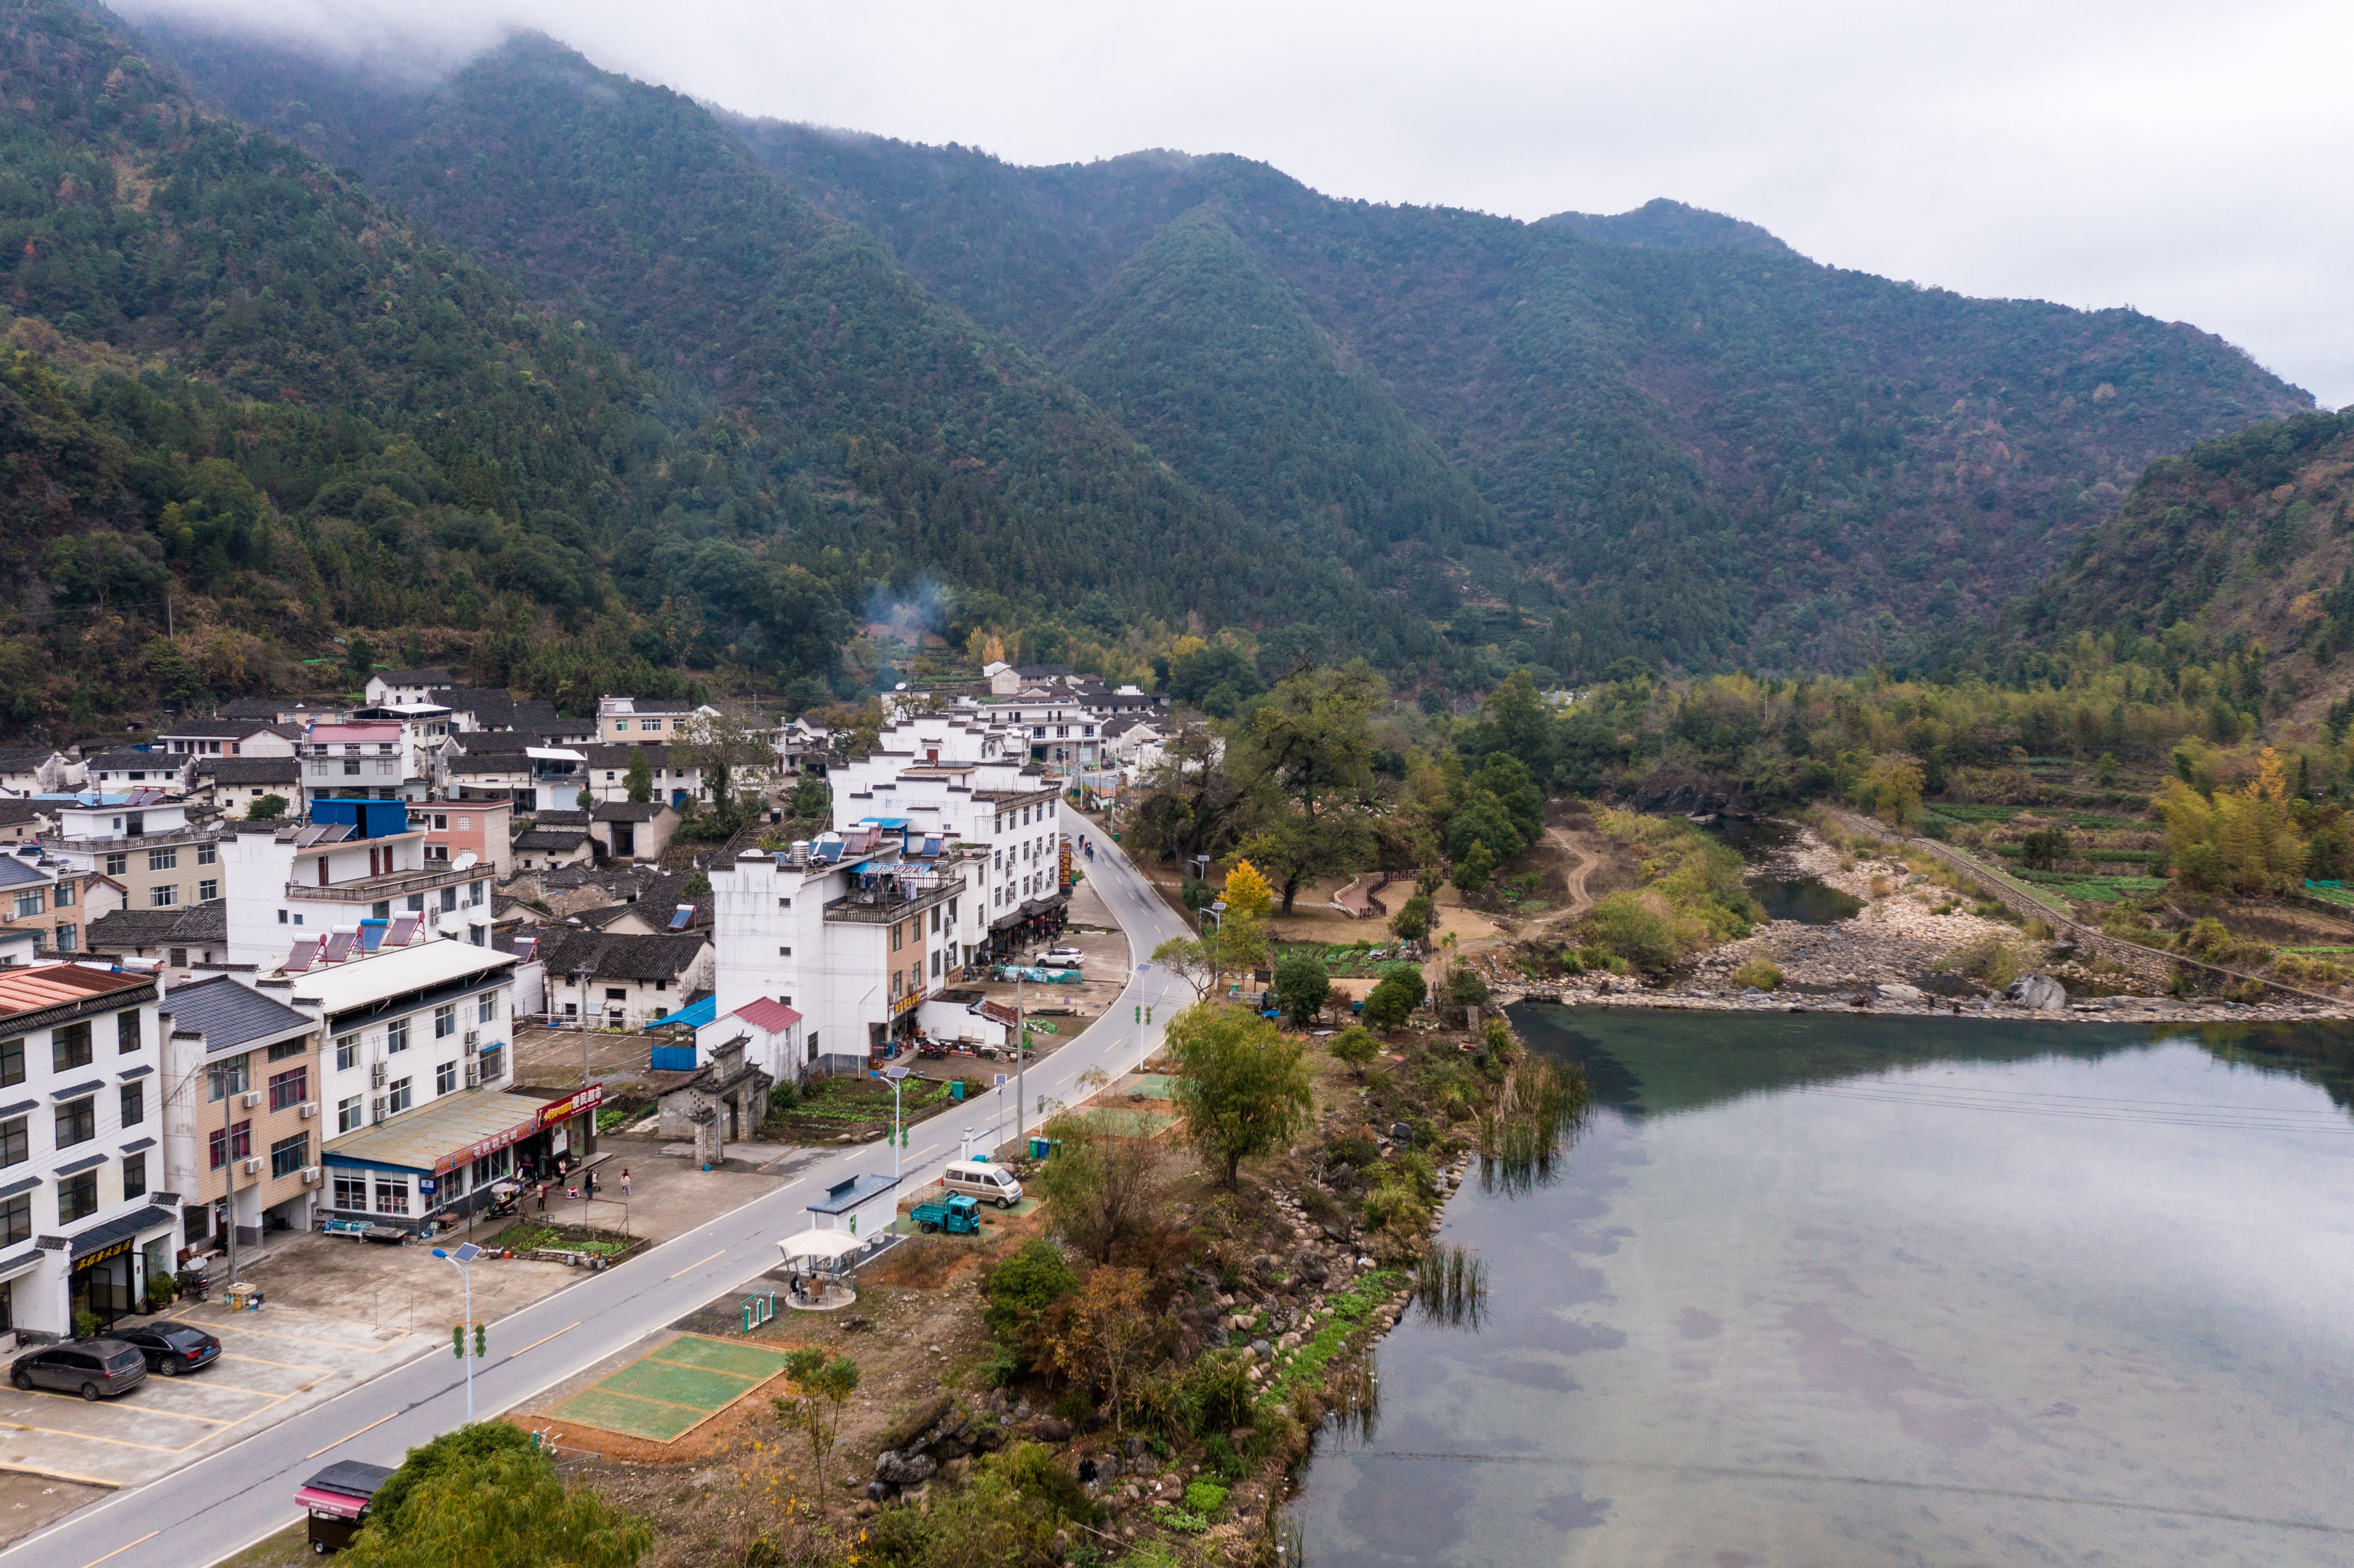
<point>95,1368</point>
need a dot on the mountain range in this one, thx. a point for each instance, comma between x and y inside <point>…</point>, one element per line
<point>599,385</point>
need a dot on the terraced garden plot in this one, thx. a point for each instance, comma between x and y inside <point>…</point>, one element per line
<point>2092,889</point>
<point>668,1393</point>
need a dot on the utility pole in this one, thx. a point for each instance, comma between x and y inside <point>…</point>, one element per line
<point>898,1076</point>
<point>228,1164</point>
<point>1021,1038</point>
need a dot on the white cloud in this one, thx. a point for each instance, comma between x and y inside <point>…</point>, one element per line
<point>2186,159</point>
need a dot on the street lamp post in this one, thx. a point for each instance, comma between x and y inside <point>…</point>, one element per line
<point>1142,1017</point>
<point>898,1076</point>
<point>461,1259</point>
<point>1215,914</point>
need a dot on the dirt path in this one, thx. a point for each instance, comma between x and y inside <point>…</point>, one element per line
<point>1580,901</point>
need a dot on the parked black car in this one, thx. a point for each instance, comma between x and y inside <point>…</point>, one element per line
<point>172,1348</point>
<point>96,1369</point>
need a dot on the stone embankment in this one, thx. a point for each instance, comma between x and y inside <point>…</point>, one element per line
<point>1892,957</point>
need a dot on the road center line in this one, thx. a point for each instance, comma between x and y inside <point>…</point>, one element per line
<point>565,1330</point>
<point>123,1548</point>
<point>699,1262</point>
<point>361,1433</point>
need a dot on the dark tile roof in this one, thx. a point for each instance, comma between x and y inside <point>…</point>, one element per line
<point>17,872</point>
<point>597,919</point>
<point>129,760</point>
<point>227,1014</point>
<point>494,762</point>
<point>609,957</point>
<point>616,754</point>
<point>250,769</point>
<point>432,675</point>
<point>554,840</point>
<point>622,811</point>
<point>24,758</point>
<point>126,930</point>
<point>660,895</point>
<point>215,729</point>
<point>13,811</point>
<point>560,818</point>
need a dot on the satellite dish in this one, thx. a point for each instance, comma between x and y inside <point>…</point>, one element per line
<point>465,859</point>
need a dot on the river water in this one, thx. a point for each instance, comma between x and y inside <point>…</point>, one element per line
<point>1823,1289</point>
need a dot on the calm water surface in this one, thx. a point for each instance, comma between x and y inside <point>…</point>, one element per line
<point>1839,1290</point>
<point>1805,899</point>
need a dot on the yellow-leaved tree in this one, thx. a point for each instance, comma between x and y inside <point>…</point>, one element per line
<point>2241,840</point>
<point>1247,892</point>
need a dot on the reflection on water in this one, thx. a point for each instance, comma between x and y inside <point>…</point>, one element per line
<point>1805,899</point>
<point>1815,1288</point>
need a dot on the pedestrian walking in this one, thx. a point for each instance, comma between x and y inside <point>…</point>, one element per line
<point>543,1197</point>
<point>625,1182</point>
<point>592,1186</point>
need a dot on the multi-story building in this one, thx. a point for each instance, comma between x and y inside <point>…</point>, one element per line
<point>125,768</point>
<point>677,779</point>
<point>404,685</point>
<point>232,784</point>
<point>951,776</point>
<point>416,1070</point>
<point>456,830</point>
<point>240,1112</point>
<point>1056,725</point>
<point>52,899</point>
<point>504,766</point>
<point>640,719</point>
<point>81,1227</point>
<point>141,842</point>
<point>349,868</point>
<point>850,931</point>
<point>622,982</point>
<point>427,724</point>
<point>228,738</point>
<point>352,760</point>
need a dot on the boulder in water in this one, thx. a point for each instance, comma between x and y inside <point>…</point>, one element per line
<point>2038,993</point>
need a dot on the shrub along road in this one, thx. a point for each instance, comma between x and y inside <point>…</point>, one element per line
<point>224,1503</point>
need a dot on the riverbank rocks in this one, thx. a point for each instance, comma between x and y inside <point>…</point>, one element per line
<point>1897,991</point>
<point>2038,993</point>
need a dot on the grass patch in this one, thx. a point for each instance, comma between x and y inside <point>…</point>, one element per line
<point>1349,1309</point>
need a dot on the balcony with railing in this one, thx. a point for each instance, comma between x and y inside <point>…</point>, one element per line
<point>386,884</point>
<point>885,894</point>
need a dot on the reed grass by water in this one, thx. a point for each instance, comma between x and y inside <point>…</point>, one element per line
<point>1538,1104</point>
<point>1451,1284</point>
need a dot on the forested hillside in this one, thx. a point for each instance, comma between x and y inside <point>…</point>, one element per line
<point>244,402</point>
<point>1711,454</point>
<point>2241,543</point>
<point>1194,340</point>
<point>966,456</point>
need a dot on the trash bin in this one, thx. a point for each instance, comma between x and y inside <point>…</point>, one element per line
<point>956,1088</point>
<point>1037,1148</point>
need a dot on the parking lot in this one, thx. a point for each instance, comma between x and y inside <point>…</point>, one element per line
<point>274,1362</point>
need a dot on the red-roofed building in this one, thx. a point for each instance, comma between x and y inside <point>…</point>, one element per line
<point>769,1031</point>
<point>82,1229</point>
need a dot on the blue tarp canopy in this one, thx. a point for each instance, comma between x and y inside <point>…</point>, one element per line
<point>694,1016</point>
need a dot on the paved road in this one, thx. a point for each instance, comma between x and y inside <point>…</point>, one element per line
<point>225,1502</point>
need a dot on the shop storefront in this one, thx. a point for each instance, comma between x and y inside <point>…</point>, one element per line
<point>107,1266</point>
<point>437,1165</point>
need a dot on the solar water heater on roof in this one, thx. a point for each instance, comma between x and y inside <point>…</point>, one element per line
<point>300,959</point>
<point>339,947</point>
<point>403,932</point>
<point>682,917</point>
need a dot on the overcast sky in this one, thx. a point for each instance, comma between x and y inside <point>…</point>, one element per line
<point>2190,160</point>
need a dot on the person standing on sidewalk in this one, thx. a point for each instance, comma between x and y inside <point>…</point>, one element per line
<point>625,1183</point>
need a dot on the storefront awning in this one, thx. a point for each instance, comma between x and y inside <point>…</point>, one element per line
<point>442,1135</point>
<point>100,1242</point>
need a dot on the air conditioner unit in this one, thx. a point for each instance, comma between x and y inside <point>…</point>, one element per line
<point>473,1077</point>
<point>376,1108</point>
<point>252,1098</point>
<point>376,1076</point>
<point>309,1175</point>
<point>253,1166</point>
<point>306,1110</point>
<point>473,1038</point>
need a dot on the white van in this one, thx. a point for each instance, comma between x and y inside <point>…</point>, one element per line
<point>980,1179</point>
